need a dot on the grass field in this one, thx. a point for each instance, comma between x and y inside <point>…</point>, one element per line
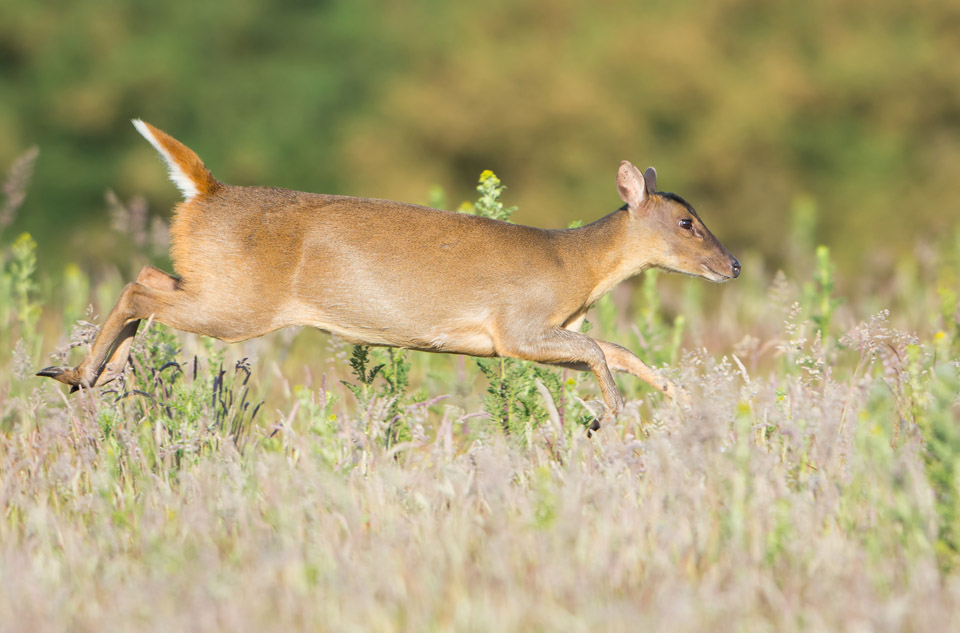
<point>288,484</point>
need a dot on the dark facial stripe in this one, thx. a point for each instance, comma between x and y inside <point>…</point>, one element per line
<point>675,198</point>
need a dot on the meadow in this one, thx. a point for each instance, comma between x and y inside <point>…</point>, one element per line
<point>296,483</point>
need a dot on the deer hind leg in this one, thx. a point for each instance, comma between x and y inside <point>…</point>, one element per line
<point>569,349</point>
<point>156,294</point>
<point>152,278</point>
<point>623,360</point>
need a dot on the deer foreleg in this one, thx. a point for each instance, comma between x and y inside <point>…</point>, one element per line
<point>623,360</point>
<point>569,349</point>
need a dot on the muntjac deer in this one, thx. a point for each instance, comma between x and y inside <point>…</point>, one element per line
<point>251,260</point>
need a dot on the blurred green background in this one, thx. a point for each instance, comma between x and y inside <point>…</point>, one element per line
<point>752,110</point>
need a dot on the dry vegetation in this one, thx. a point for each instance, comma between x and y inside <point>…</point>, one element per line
<point>813,486</point>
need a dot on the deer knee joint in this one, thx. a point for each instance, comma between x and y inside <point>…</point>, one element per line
<point>156,279</point>
<point>130,305</point>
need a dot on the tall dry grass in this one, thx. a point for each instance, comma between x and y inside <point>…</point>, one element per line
<point>813,485</point>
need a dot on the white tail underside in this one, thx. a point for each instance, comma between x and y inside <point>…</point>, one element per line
<point>179,178</point>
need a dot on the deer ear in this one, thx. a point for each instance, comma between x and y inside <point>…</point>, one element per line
<point>630,185</point>
<point>650,178</point>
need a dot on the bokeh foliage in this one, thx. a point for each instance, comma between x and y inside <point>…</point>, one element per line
<point>742,105</point>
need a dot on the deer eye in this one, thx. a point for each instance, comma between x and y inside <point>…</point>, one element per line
<point>686,223</point>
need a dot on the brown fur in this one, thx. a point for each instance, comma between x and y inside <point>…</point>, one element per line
<point>255,259</point>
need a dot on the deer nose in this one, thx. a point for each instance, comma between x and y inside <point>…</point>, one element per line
<point>735,268</point>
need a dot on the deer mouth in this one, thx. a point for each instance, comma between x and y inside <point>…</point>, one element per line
<point>711,275</point>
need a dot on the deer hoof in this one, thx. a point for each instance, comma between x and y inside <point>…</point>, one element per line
<point>57,373</point>
<point>66,375</point>
<point>607,419</point>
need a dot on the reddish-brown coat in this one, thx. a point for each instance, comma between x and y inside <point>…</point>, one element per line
<point>254,259</point>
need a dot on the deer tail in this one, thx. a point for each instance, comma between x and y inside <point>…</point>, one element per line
<point>186,169</point>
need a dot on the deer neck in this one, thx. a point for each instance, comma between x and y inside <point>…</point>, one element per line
<point>604,255</point>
